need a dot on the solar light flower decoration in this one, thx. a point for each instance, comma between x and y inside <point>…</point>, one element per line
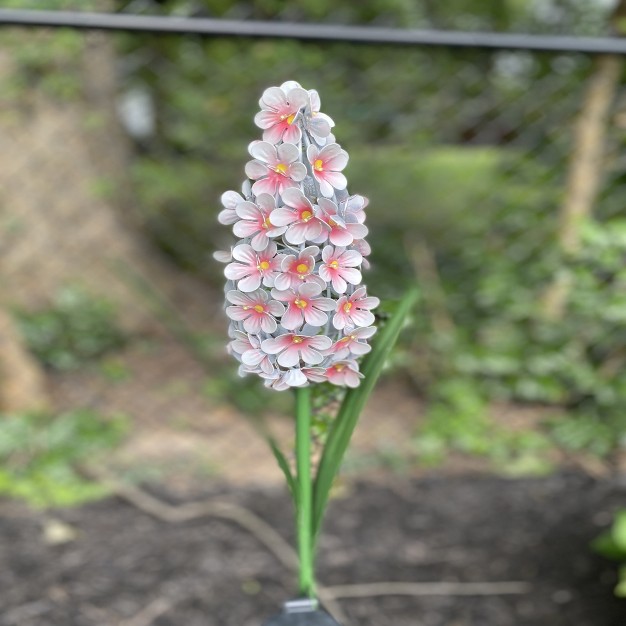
<point>299,312</point>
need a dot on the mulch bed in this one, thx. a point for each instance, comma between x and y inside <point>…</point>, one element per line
<point>126,568</point>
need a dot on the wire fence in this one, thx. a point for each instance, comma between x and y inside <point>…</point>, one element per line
<point>117,147</point>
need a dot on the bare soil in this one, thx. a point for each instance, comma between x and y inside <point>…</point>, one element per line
<point>121,567</point>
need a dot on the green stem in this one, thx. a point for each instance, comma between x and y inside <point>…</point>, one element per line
<point>305,491</point>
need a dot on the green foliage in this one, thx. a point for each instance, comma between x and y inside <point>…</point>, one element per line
<point>459,419</point>
<point>612,545</point>
<point>39,455</point>
<point>75,329</point>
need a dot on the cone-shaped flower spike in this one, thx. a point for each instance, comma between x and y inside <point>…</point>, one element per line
<point>298,310</point>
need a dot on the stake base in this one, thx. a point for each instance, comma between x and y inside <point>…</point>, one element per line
<point>304,612</point>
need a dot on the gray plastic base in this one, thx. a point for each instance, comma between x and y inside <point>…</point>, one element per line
<point>302,613</point>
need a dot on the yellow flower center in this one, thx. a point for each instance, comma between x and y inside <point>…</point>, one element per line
<point>258,308</point>
<point>291,118</point>
<point>297,339</point>
<point>339,367</point>
<point>347,306</point>
<point>281,168</point>
<point>334,264</point>
<point>266,223</point>
<point>263,265</point>
<point>345,339</point>
<point>318,165</point>
<point>301,304</point>
<point>331,222</point>
<point>306,215</point>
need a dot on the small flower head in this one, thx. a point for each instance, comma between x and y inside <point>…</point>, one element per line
<point>256,311</point>
<point>304,305</point>
<point>327,164</point>
<point>298,216</point>
<point>355,310</point>
<point>280,108</point>
<point>254,267</point>
<point>274,168</point>
<point>339,267</point>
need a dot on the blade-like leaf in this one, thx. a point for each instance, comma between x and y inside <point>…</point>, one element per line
<point>280,457</point>
<point>284,466</point>
<point>354,401</point>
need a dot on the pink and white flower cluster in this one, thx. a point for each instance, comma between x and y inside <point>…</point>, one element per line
<point>298,311</point>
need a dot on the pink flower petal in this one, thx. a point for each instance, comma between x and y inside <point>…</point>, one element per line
<point>245,254</point>
<point>351,258</point>
<point>290,356</point>
<point>276,344</point>
<point>326,188</point>
<point>248,211</point>
<point>266,119</point>
<point>296,199</point>
<point>297,98</point>
<point>340,237</point>
<point>351,275</point>
<point>274,134</point>
<point>339,284</point>
<point>292,319</point>
<point>230,199</point>
<point>275,308</point>
<point>227,217</point>
<point>252,358</point>
<point>237,271</point>
<point>264,151</point>
<point>237,313</point>
<point>256,169</point>
<point>311,356</point>
<point>325,304</point>
<point>274,97</point>
<point>293,134</point>
<point>310,290</point>
<point>314,316</point>
<point>312,153</point>
<point>250,283</point>
<point>336,179</point>
<point>361,317</point>
<point>283,217</point>
<point>236,297</point>
<point>369,303</point>
<point>254,323</point>
<point>287,153</point>
<point>260,241</point>
<point>296,233</point>
<point>244,229</point>
<point>297,171</point>
<point>294,378</point>
<point>320,342</point>
<point>268,324</point>
<point>265,185</point>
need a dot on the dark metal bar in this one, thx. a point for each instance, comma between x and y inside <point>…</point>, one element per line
<point>309,32</point>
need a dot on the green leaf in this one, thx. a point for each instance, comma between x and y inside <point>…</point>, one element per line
<point>618,530</point>
<point>284,466</point>
<point>280,457</point>
<point>351,407</point>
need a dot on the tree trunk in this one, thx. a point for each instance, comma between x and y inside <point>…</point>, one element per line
<point>585,169</point>
<point>63,163</point>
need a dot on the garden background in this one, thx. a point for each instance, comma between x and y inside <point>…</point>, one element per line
<point>496,180</point>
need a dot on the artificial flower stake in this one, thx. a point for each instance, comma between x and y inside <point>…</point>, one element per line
<point>299,313</point>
